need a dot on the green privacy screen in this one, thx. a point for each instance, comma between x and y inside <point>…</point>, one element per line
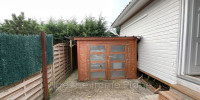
<point>20,56</point>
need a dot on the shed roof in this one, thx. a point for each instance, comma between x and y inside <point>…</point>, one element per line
<point>103,38</point>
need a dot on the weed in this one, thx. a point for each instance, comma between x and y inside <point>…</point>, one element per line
<point>143,85</point>
<point>49,91</point>
<point>100,80</point>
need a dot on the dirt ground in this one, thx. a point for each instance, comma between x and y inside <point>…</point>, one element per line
<point>120,89</point>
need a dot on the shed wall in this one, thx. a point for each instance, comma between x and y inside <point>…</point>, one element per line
<point>84,59</point>
<point>158,24</point>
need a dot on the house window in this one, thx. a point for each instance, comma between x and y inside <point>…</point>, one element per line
<point>191,37</point>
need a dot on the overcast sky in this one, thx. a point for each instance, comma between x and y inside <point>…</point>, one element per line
<point>42,10</point>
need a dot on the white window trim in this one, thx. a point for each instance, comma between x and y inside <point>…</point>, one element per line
<point>183,41</point>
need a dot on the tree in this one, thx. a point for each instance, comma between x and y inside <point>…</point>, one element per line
<point>89,27</point>
<point>95,28</point>
<point>57,29</point>
<point>19,25</point>
<point>118,30</point>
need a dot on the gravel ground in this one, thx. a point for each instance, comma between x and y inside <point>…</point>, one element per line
<point>120,89</point>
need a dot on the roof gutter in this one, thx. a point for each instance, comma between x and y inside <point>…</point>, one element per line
<point>131,9</point>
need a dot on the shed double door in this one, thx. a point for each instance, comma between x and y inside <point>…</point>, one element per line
<point>107,61</point>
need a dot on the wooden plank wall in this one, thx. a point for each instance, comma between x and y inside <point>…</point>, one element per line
<point>82,61</point>
<point>31,88</point>
<point>61,66</point>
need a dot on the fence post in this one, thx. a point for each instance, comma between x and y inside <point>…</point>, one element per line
<point>71,59</point>
<point>44,66</point>
<point>53,72</point>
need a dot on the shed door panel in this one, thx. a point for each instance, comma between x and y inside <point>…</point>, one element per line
<point>97,61</point>
<point>117,60</point>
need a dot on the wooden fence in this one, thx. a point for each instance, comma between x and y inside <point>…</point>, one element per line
<point>61,66</point>
<point>31,88</point>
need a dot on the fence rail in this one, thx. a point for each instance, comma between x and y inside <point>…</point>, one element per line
<point>31,88</point>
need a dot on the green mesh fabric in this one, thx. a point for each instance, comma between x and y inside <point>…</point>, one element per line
<point>20,56</point>
<point>49,48</point>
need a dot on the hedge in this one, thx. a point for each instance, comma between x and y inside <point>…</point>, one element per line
<point>20,56</point>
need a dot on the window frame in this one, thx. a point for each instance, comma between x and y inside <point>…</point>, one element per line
<point>184,41</point>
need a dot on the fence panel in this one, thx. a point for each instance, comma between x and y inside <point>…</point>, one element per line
<point>31,88</point>
<point>61,65</point>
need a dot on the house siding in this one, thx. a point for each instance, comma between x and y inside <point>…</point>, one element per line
<point>158,24</point>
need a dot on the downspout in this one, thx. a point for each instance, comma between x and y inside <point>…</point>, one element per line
<point>138,40</point>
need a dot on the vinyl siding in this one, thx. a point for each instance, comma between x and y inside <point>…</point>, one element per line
<point>158,24</point>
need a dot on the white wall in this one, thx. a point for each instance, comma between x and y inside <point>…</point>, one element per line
<point>158,24</point>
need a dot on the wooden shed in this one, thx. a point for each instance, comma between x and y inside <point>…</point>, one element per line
<point>106,58</point>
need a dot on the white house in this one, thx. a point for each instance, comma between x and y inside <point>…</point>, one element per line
<point>169,49</point>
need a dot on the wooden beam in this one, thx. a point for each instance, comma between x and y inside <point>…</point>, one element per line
<point>44,66</point>
<point>155,77</point>
<point>168,95</point>
<point>71,58</point>
<point>187,91</point>
<point>104,38</point>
